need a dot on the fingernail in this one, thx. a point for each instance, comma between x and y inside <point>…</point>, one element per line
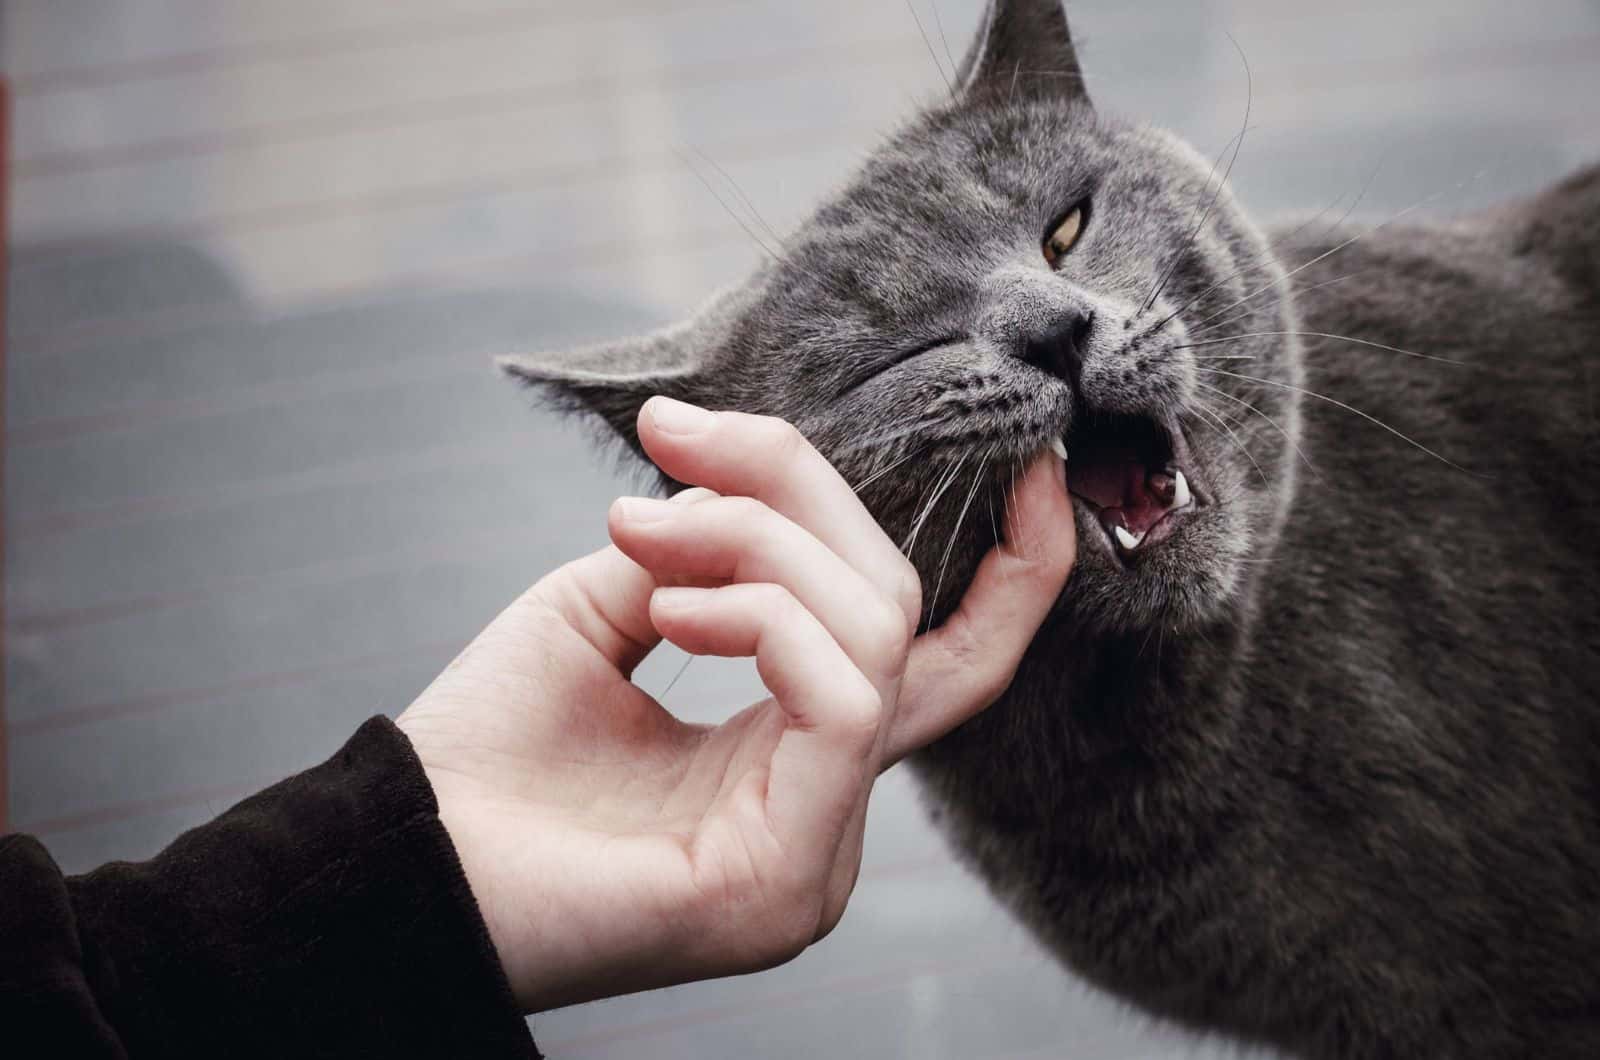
<point>678,597</point>
<point>678,417</point>
<point>644,509</point>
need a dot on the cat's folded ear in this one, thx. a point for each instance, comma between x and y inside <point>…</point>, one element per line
<point>613,379</point>
<point>1023,50</point>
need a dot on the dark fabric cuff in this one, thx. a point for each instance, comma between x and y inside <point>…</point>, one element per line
<point>326,916</point>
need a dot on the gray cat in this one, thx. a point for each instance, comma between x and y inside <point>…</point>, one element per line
<point>1309,753</point>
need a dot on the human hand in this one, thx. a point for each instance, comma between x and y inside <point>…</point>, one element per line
<point>613,848</point>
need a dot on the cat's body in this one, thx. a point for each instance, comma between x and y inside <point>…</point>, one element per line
<point>1361,818</point>
<point>1307,757</point>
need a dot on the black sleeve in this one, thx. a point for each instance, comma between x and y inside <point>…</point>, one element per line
<point>326,916</point>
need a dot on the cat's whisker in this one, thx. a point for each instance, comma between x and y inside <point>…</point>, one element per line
<point>1336,249</point>
<point>916,521</point>
<point>1294,289</point>
<point>1266,257</point>
<point>737,190</point>
<point>827,283</point>
<point>1348,408</point>
<point>882,440</point>
<point>1244,127</point>
<point>1323,335</point>
<point>1216,418</point>
<point>1270,421</point>
<point>1013,518</point>
<point>1263,260</point>
<point>876,475</point>
<point>938,23</point>
<point>944,483</point>
<point>661,696</point>
<point>1167,264</point>
<point>961,516</point>
<point>994,527</point>
<point>923,33</point>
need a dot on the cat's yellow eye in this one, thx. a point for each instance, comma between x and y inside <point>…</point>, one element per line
<point>1064,235</point>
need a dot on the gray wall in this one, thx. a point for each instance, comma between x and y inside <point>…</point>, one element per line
<point>262,482</point>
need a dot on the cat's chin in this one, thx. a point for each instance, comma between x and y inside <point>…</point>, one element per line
<point>1183,578</point>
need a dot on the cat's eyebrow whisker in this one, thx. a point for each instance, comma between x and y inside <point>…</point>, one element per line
<point>737,190</point>
<point>949,85</point>
<point>1323,335</point>
<point>1170,265</point>
<point>1216,418</point>
<point>938,22</point>
<point>1244,127</point>
<point>740,221</point>
<point>1270,421</point>
<point>1348,408</point>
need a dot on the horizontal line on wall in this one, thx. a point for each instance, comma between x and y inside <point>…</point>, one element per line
<point>155,702</point>
<point>321,45</point>
<point>605,86</point>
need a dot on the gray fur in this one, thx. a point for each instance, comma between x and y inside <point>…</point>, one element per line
<point>1321,771</point>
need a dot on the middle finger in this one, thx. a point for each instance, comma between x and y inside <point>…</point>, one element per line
<point>739,539</point>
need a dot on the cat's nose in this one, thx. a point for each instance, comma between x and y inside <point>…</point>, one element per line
<point>1058,348</point>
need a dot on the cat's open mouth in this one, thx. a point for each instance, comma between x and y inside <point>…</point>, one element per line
<point>1135,473</point>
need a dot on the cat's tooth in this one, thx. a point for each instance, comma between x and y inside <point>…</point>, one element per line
<point>1127,538</point>
<point>1059,447</point>
<point>1181,495</point>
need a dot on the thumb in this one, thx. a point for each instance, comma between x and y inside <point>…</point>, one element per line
<point>604,597</point>
<point>963,666</point>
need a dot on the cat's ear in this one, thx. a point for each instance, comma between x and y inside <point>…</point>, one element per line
<point>1023,50</point>
<point>613,379</point>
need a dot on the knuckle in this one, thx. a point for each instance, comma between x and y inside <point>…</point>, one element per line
<point>777,603</point>
<point>861,711</point>
<point>891,634</point>
<point>907,594</point>
<point>743,510</point>
<point>694,495</point>
<point>781,437</point>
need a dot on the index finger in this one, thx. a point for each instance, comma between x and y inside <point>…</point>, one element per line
<point>766,458</point>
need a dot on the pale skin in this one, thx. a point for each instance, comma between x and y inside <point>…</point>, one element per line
<point>614,848</point>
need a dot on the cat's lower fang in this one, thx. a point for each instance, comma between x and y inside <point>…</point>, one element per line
<point>1169,488</point>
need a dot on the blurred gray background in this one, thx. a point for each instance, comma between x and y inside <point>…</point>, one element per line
<point>261,481</point>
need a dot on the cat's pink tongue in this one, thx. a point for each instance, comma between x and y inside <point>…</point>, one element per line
<point>1116,481</point>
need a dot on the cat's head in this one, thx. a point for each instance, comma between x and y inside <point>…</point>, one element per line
<point>1009,270</point>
